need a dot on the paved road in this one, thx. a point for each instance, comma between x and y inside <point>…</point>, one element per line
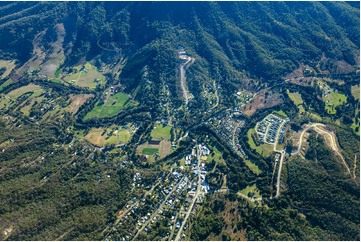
<point>194,199</point>
<point>279,173</point>
<point>183,67</point>
<point>159,208</point>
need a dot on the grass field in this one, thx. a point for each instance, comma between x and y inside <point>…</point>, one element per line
<point>251,189</point>
<point>112,107</point>
<point>281,113</point>
<point>6,83</point>
<point>297,100</point>
<point>335,99</point>
<point>149,151</point>
<point>161,132</point>
<point>86,76</point>
<point>8,65</point>
<point>37,91</point>
<point>216,155</point>
<point>77,101</point>
<point>95,136</point>
<point>164,148</point>
<point>355,90</point>
<point>264,149</point>
<point>113,135</point>
<point>253,167</point>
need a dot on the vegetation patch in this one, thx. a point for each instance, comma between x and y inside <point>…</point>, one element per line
<point>113,106</point>
<point>297,100</point>
<point>86,76</point>
<point>355,90</point>
<point>333,100</point>
<point>251,191</point>
<point>161,132</point>
<point>263,149</point>
<point>253,167</point>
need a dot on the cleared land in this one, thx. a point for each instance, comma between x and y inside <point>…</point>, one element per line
<point>253,167</point>
<point>215,155</point>
<point>112,107</point>
<point>108,136</point>
<point>77,101</point>
<point>264,149</point>
<point>86,76</point>
<point>333,100</point>
<point>262,100</point>
<point>161,132</point>
<point>8,65</point>
<point>251,191</point>
<point>35,89</point>
<point>297,100</point>
<point>355,90</point>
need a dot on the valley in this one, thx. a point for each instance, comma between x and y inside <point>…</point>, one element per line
<point>215,121</point>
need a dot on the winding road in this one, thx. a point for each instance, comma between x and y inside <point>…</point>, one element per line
<point>183,67</point>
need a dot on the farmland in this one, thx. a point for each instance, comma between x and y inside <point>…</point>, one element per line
<point>114,105</point>
<point>86,76</point>
<point>77,101</point>
<point>112,135</point>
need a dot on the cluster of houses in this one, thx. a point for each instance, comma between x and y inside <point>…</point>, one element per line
<point>167,201</point>
<point>227,126</point>
<point>267,129</point>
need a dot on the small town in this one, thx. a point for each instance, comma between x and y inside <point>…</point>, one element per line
<point>169,202</point>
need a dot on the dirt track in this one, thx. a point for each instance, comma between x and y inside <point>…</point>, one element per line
<point>330,139</point>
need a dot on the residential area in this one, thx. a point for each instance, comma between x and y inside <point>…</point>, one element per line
<point>167,204</point>
<point>271,126</point>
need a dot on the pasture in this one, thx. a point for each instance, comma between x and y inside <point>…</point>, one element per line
<point>161,132</point>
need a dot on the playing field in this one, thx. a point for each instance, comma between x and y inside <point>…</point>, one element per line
<point>161,132</point>
<point>112,107</point>
<point>149,151</point>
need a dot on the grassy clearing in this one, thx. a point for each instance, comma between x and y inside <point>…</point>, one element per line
<point>253,167</point>
<point>86,76</point>
<point>264,149</point>
<point>124,136</point>
<point>5,84</point>
<point>164,148</point>
<point>112,107</point>
<point>149,151</point>
<point>297,100</point>
<point>161,132</point>
<point>77,101</point>
<point>355,90</point>
<point>96,136</point>
<point>281,113</point>
<point>216,155</point>
<point>37,91</point>
<point>8,65</point>
<point>251,191</point>
<point>333,100</point>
